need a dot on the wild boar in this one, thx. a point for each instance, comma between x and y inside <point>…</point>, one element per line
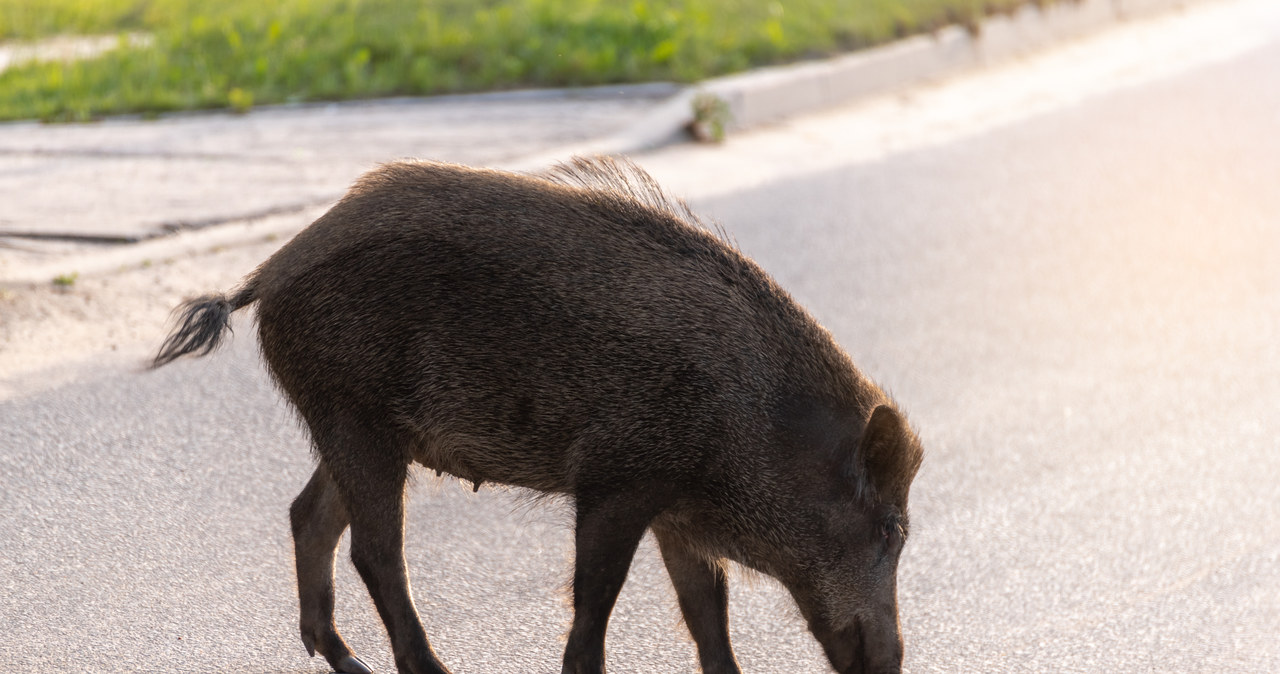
<point>576,333</point>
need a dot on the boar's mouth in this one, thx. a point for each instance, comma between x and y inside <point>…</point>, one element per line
<point>846,649</point>
<point>850,653</point>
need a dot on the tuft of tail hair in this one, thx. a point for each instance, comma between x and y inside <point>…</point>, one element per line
<point>202,322</point>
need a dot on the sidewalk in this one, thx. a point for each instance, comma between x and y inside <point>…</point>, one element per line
<point>124,181</point>
<point>84,198</point>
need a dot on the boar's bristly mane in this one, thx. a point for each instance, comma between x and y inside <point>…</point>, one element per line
<point>626,183</point>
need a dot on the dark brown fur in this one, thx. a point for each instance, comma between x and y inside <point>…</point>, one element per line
<point>577,333</point>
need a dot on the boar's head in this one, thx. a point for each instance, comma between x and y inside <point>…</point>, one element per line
<point>843,574</point>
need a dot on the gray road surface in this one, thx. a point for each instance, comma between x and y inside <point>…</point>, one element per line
<point>1080,312</point>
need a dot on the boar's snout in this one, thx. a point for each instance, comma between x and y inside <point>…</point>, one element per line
<point>865,648</point>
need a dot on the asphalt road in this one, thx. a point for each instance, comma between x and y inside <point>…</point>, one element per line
<point>1080,312</point>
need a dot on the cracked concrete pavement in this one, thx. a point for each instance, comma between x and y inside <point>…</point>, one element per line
<point>82,182</point>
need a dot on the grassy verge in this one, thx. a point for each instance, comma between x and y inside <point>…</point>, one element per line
<point>238,53</point>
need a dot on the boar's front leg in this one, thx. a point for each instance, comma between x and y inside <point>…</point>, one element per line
<point>319,518</point>
<point>607,532</point>
<point>702,589</point>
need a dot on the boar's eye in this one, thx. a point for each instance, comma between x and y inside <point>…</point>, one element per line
<point>892,532</point>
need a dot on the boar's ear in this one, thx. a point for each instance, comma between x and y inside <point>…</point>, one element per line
<point>889,455</point>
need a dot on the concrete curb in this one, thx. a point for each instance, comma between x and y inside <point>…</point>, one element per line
<point>771,94</point>
<point>768,95</point>
<point>756,98</point>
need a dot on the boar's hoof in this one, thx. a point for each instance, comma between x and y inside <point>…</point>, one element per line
<point>353,665</point>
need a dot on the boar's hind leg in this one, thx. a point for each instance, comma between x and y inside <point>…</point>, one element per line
<point>318,519</point>
<point>370,470</point>
<point>702,588</point>
<point>606,535</point>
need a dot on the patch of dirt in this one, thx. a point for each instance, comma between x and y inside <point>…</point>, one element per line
<point>118,319</point>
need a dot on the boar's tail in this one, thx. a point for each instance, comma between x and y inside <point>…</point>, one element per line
<point>202,323</point>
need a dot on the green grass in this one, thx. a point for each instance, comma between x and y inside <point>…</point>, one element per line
<point>240,53</point>
<point>66,280</point>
